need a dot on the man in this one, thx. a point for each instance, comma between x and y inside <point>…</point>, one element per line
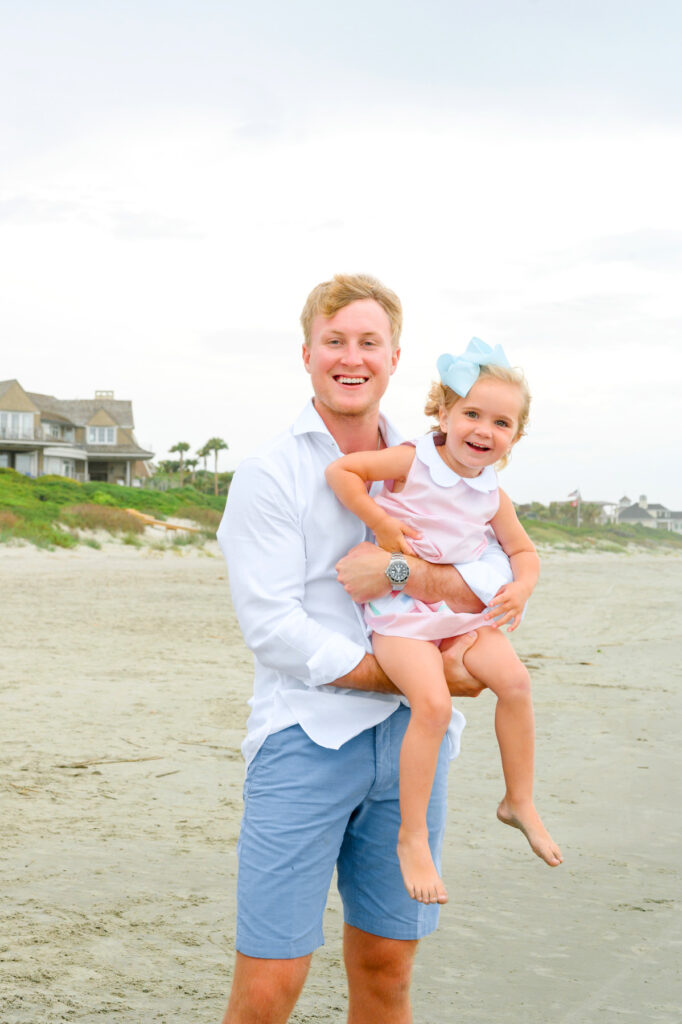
<point>325,728</point>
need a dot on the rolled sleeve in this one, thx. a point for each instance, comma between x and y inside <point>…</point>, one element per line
<point>335,658</point>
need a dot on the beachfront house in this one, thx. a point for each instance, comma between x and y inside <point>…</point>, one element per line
<point>644,513</point>
<point>83,439</point>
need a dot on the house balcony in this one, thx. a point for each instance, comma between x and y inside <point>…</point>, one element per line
<point>7,434</point>
<point>39,434</point>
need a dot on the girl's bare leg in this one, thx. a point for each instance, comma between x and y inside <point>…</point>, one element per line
<point>493,660</point>
<point>416,667</point>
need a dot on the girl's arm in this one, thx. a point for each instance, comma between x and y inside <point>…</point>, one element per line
<point>348,477</point>
<point>510,599</point>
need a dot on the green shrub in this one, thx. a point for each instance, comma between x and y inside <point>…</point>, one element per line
<point>102,498</point>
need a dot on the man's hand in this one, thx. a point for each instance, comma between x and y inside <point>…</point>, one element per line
<point>507,605</point>
<point>460,683</point>
<point>362,572</point>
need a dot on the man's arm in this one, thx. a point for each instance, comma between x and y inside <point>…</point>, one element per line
<point>362,574</point>
<point>369,675</point>
<point>260,536</point>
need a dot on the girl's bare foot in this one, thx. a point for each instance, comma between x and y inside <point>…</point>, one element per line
<point>527,819</point>
<point>421,879</point>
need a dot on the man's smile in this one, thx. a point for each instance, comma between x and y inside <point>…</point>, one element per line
<point>350,380</point>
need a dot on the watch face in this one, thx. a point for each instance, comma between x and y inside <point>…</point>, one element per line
<point>398,572</point>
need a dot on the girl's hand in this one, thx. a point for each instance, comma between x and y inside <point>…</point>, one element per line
<point>507,605</point>
<point>390,534</point>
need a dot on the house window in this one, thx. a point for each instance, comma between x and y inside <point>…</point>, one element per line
<point>54,430</point>
<point>25,463</point>
<point>101,435</point>
<point>18,425</point>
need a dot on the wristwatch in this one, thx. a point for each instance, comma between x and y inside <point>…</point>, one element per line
<point>397,571</point>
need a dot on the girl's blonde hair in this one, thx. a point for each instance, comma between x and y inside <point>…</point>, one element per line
<point>442,397</point>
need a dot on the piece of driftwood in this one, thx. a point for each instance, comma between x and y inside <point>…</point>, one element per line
<point>150,521</point>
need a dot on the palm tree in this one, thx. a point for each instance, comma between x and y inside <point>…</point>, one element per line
<point>215,445</point>
<point>192,466</point>
<point>203,454</point>
<point>181,447</point>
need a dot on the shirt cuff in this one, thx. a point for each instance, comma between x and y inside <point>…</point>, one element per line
<point>336,657</point>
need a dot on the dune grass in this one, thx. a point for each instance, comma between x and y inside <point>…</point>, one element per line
<point>50,511</point>
<point>616,538</point>
<point>100,517</point>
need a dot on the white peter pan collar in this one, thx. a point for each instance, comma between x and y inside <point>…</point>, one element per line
<point>441,473</point>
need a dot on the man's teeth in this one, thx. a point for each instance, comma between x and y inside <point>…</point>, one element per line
<point>351,380</point>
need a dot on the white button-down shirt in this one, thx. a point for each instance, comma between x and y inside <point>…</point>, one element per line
<point>282,534</point>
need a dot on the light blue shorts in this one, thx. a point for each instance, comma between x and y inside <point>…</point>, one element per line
<point>307,809</point>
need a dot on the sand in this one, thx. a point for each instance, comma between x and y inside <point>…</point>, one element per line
<point>123,688</point>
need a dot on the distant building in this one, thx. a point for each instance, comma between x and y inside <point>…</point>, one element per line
<point>83,439</point>
<point>655,516</point>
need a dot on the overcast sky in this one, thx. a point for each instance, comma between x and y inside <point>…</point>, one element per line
<point>175,177</point>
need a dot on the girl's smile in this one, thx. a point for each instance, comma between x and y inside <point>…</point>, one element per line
<point>482,427</point>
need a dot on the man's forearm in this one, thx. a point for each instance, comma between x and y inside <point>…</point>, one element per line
<point>432,583</point>
<point>367,675</point>
<point>362,574</point>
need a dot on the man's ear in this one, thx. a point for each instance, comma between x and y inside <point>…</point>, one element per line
<point>306,356</point>
<point>395,356</point>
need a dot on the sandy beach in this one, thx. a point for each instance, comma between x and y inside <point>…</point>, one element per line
<point>123,689</point>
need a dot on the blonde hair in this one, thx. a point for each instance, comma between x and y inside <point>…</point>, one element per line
<point>442,397</point>
<point>331,296</point>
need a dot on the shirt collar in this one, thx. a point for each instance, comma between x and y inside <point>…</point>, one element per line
<point>441,473</point>
<point>310,422</point>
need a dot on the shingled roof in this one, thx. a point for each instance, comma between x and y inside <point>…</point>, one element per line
<point>634,512</point>
<point>80,411</point>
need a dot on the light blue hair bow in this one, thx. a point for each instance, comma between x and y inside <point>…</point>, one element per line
<point>461,372</point>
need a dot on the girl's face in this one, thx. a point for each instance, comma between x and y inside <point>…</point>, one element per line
<point>481,428</point>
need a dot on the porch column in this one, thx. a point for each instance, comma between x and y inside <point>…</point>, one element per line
<point>128,472</point>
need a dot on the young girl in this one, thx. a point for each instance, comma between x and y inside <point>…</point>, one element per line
<point>442,494</point>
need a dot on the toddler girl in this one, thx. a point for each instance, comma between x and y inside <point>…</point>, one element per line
<point>441,501</point>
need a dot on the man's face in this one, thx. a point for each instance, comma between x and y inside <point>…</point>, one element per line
<point>350,358</point>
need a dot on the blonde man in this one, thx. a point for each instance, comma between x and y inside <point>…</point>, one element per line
<point>326,723</point>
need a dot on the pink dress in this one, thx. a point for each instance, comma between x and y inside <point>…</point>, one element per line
<point>453,514</point>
